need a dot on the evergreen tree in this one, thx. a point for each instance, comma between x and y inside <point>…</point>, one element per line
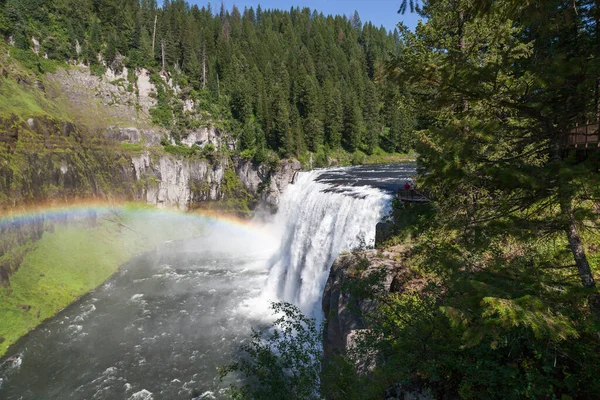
<point>353,123</point>
<point>334,111</point>
<point>371,118</point>
<point>256,65</point>
<point>94,41</point>
<point>497,152</point>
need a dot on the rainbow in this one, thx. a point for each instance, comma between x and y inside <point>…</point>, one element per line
<point>85,208</point>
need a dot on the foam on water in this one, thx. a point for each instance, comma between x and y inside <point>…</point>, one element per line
<point>317,224</point>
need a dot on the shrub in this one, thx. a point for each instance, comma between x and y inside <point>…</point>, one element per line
<point>281,362</point>
<point>358,158</point>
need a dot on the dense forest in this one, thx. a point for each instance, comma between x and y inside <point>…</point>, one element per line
<point>497,294</point>
<point>288,81</point>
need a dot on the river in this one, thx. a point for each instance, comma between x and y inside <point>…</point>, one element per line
<point>159,328</point>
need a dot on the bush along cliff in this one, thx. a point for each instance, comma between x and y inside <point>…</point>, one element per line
<point>489,291</point>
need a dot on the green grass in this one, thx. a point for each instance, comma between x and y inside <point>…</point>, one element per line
<point>14,99</point>
<point>69,262</point>
<point>379,156</point>
<point>19,94</point>
<point>134,147</point>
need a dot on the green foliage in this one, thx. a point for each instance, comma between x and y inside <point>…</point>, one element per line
<point>280,362</point>
<point>235,196</point>
<point>497,298</point>
<point>180,150</point>
<point>289,82</point>
<point>136,147</point>
<point>358,157</point>
<point>31,61</point>
<point>162,113</point>
<point>97,69</point>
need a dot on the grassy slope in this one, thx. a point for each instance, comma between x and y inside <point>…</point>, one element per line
<point>71,261</point>
<point>19,94</point>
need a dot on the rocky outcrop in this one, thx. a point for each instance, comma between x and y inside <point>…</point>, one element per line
<point>174,182</point>
<point>209,135</point>
<point>278,180</point>
<point>345,313</point>
<point>108,100</point>
<point>132,135</point>
<point>49,160</point>
<point>114,109</point>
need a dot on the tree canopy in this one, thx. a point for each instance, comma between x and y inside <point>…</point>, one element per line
<point>292,81</point>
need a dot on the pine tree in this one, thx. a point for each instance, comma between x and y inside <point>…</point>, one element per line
<point>94,42</point>
<point>371,118</point>
<point>280,135</point>
<point>334,111</point>
<point>247,65</point>
<point>353,123</point>
<point>498,152</point>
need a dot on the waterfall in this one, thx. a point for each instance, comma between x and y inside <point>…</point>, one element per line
<point>317,221</point>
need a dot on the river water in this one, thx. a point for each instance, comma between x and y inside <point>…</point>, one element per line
<point>160,327</point>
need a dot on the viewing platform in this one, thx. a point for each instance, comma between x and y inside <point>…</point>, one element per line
<point>584,136</point>
<point>411,196</point>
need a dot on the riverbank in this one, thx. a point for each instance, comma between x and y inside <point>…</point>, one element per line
<point>75,256</point>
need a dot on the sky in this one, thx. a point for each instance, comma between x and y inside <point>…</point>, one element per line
<point>379,12</point>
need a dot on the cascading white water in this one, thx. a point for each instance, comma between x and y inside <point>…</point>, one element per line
<point>189,304</point>
<point>317,222</point>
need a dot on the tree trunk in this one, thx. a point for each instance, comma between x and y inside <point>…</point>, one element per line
<point>162,46</point>
<point>583,266</point>
<point>154,37</point>
<point>203,64</point>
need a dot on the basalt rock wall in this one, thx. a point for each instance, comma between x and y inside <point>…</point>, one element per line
<point>45,160</point>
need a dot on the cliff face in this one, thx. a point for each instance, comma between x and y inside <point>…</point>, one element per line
<point>47,160</point>
<point>173,182</point>
<point>72,135</point>
<point>345,314</point>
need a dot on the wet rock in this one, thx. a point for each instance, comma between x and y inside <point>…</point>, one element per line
<point>345,321</point>
<point>345,315</point>
<point>279,180</point>
<point>345,318</point>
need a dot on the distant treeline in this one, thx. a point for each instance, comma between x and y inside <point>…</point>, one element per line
<point>288,81</point>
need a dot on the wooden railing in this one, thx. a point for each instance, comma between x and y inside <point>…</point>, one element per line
<point>412,196</point>
<point>584,136</point>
